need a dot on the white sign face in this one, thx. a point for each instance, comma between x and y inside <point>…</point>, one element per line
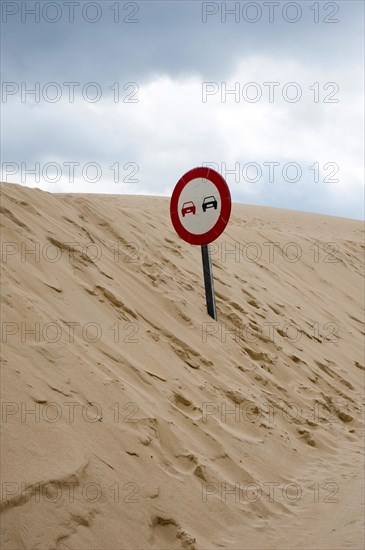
<point>199,206</point>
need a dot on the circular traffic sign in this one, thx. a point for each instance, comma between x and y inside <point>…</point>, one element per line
<point>200,206</point>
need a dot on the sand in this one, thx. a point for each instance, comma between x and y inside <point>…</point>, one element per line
<point>132,420</point>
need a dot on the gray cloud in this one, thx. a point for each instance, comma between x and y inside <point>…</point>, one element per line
<point>169,52</point>
<point>171,38</point>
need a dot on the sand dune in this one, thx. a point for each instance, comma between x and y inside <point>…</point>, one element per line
<point>131,420</point>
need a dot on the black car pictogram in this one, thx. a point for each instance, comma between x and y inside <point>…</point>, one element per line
<point>209,202</point>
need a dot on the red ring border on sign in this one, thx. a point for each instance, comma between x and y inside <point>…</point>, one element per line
<point>218,228</point>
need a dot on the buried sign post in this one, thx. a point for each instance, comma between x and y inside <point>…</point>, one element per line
<point>208,282</point>
<point>200,208</point>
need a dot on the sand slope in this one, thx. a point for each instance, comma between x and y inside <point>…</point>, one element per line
<point>132,420</point>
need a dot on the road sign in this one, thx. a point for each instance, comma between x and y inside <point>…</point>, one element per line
<point>200,206</point>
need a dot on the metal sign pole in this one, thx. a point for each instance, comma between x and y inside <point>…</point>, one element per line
<point>208,281</point>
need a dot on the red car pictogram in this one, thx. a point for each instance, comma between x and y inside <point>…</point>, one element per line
<point>188,207</point>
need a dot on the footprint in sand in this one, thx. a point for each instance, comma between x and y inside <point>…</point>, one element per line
<point>166,533</point>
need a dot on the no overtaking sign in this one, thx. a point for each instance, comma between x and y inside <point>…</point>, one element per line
<point>200,208</point>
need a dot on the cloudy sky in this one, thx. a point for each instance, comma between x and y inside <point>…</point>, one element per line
<point>125,97</point>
